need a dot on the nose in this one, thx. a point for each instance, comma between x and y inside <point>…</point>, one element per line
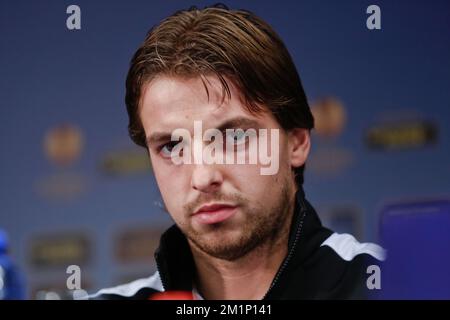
<point>206,178</point>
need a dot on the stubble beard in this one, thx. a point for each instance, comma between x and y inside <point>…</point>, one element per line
<point>261,226</point>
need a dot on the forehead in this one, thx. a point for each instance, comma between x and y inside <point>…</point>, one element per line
<point>169,103</point>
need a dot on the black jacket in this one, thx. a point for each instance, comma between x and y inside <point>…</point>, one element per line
<point>320,264</point>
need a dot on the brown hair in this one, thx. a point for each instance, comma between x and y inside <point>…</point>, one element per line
<point>232,44</point>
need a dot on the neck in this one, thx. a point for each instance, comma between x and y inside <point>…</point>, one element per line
<point>248,277</point>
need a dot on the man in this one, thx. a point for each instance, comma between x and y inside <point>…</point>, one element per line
<point>240,232</point>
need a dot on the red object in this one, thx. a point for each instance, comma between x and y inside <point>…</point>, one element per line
<point>172,295</point>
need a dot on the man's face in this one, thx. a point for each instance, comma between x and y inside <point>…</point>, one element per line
<point>225,210</point>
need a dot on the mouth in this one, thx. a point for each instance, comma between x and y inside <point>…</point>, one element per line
<point>214,213</point>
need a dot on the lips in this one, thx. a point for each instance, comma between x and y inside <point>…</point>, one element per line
<point>214,213</point>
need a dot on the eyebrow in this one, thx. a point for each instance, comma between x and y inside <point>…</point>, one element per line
<point>157,138</point>
<point>233,123</point>
<point>239,122</point>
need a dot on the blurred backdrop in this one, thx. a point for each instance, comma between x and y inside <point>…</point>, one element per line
<point>75,190</point>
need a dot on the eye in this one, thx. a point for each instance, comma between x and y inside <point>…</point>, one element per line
<point>166,149</point>
<point>236,137</point>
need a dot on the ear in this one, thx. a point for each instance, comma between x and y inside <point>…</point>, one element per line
<point>299,146</point>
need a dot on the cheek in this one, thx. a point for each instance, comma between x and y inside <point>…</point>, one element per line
<point>168,181</point>
<point>249,180</point>
<point>171,196</point>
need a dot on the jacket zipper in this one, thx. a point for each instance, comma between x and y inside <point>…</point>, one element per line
<point>291,252</point>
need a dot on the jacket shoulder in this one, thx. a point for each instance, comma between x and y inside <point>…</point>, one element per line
<point>139,289</point>
<point>342,265</point>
